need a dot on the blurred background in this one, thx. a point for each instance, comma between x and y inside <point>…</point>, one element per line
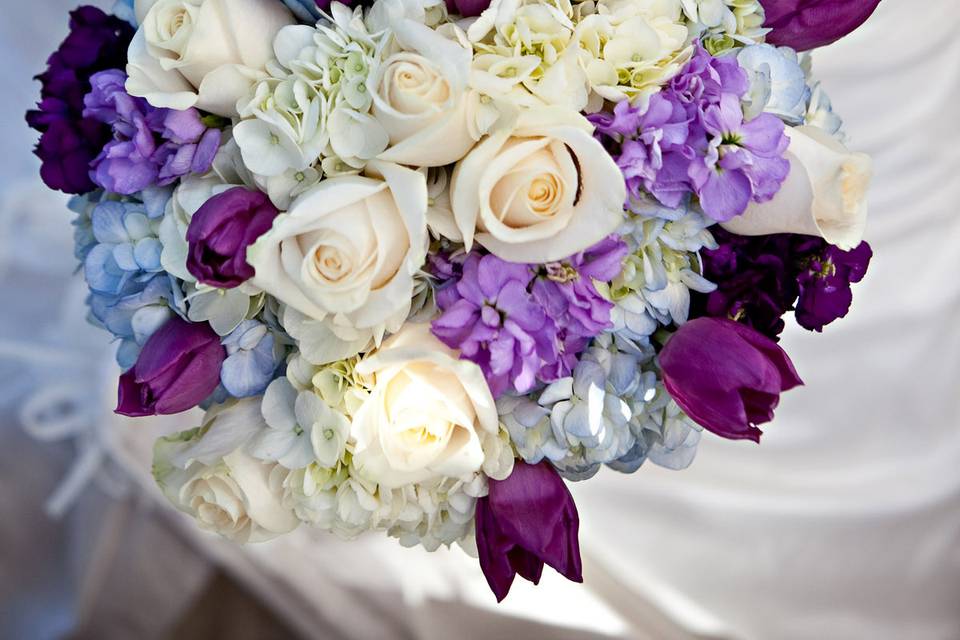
<point>844,524</point>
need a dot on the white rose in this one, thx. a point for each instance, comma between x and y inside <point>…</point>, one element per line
<point>824,195</point>
<point>207,474</point>
<point>202,53</point>
<point>427,416</point>
<point>541,191</point>
<point>420,97</point>
<point>347,251</point>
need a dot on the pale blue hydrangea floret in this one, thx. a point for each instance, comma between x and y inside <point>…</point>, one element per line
<point>778,84</point>
<point>662,268</point>
<point>127,247</point>
<point>130,295</point>
<point>252,359</point>
<point>613,410</point>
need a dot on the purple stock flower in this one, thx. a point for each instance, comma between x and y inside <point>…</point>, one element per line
<point>825,293</point>
<point>727,377</point>
<point>807,24</point>
<point>150,146</point>
<point>220,232</point>
<point>760,278</point>
<point>524,324</point>
<point>70,141</point>
<point>493,320</point>
<point>178,368</point>
<point>692,138</point>
<point>526,521</point>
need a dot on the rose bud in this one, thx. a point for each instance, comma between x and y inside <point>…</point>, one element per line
<point>807,24</point>
<point>527,520</point>
<point>726,376</point>
<point>178,368</point>
<point>220,232</point>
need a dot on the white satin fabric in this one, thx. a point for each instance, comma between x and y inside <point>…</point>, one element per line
<point>844,523</point>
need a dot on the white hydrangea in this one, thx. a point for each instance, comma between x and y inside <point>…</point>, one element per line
<point>661,270</point>
<point>631,48</point>
<point>724,24</point>
<point>310,114</point>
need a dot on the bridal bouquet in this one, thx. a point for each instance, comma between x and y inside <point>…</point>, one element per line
<point>422,261</point>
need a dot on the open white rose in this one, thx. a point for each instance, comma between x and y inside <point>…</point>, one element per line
<point>427,415</point>
<point>202,53</point>
<point>207,474</point>
<point>540,191</point>
<point>420,97</point>
<point>347,251</point>
<point>824,195</point>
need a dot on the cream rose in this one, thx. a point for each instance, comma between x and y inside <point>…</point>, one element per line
<point>207,474</point>
<point>347,251</point>
<point>202,53</point>
<point>427,416</point>
<point>825,194</point>
<point>539,191</point>
<point>420,97</point>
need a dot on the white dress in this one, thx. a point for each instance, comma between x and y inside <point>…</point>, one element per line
<point>844,523</point>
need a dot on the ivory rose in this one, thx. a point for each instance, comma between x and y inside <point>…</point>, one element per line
<point>428,413</point>
<point>207,474</point>
<point>824,195</point>
<point>539,191</point>
<point>420,96</point>
<point>347,251</point>
<point>202,53</point>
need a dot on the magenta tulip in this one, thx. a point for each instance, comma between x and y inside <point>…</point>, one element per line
<point>178,368</point>
<point>807,24</point>
<point>220,232</point>
<point>527,520</point>
<point>726,376</point>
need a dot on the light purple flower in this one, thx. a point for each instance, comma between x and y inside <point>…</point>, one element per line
<point>691,138</point>
<point>150,146</point>
<point>495,322</point>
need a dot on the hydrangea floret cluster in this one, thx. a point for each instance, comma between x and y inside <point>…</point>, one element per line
<point>422,263</point>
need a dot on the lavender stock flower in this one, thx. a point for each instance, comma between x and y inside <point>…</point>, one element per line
<point>692,138</point>
<point>150,146</point>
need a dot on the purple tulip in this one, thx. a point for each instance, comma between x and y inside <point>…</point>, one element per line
<point>726,376</point>
<point>178,369</point>
<point>527,520</point>
<point>467,8</point>
<point>220,232</point>
<point>807,24</point>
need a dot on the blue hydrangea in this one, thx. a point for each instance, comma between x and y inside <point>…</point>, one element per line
<point>130,294</point>
<point>662,268</point>
<point>127,247</point>
<point>253,358</point>
<point>612,411</point>
<point>778,84</point>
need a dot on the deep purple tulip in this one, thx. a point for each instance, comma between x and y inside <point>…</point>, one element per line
<point>807,24</point>
<point>467,8</point>
<point>220,232</point>
<point>527,520</point>
<point>726,376</point>
<point>178,369</point>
